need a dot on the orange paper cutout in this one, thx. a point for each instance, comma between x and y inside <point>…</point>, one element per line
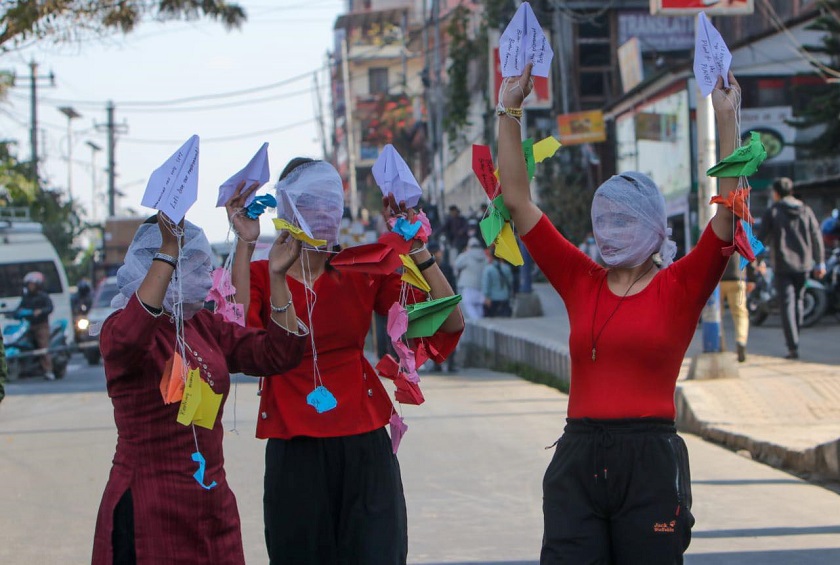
<point>736,201</point>
<point>172,381</point>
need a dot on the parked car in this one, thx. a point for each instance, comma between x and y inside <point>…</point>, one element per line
<point>99,311</point>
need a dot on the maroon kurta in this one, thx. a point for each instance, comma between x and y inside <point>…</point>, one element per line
<point>175,519</point>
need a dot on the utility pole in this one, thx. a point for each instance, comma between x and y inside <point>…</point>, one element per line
<point>34,77</point>
<point>94,149</point>
<point>348,127</point>
<point>320,118</point>
<point>706,189</point>
<point>71,114</point>
<point>438,93</point>
<point>112,130</point>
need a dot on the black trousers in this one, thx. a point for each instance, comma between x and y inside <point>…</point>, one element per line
<point>617,492</point>
<point>122,536</point>
<point>790,288</point>
<point>334,501</point>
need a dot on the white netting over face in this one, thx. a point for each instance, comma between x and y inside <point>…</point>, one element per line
<point>316,190</point>
<point>192,278</point>
<point>629,222</point>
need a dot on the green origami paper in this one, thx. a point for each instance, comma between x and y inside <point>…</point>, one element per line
<point>743,162</point>
<point>499,204</point>
<point>491,226</point>
<point>425,318</point>
<point>528,151</point>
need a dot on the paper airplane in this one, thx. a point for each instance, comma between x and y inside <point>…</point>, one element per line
<point>255,171</point>
<point>743,162</point>
<point>412,274</point>
<point>371,258</point>
<point>173,187</point>
<point>297,233</point>
<point>506,247</point>
<point>523,42</point>
<point>711,56</point>
<point>425,318</point>
<point>393,176</point>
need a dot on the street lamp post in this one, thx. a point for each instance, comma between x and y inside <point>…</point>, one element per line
<point>71,114</point>
<point>94,149</point>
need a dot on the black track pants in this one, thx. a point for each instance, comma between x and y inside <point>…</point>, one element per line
<point>617,492</point>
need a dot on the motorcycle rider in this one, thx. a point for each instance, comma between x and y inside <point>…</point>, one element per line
<point>83,299</point>
<point>37,305</point>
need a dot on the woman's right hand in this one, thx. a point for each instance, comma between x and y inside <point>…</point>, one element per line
<point>169,239</point>
<point>246,229</point>
<point>516,89</point>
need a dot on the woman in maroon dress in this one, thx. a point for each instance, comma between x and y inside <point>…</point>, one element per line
<point>167,499</point>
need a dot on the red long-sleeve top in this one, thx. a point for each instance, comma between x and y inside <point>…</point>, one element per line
<point>175,519</point>
<point>341,317</point>
<point>641,348</point>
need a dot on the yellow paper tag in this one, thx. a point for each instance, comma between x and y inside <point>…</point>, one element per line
<point>191,399</point>
<point>297,233</point>
<point>208,409</point>
<point>412,274</point>
<point>506,247</point>
<point>545,148</point>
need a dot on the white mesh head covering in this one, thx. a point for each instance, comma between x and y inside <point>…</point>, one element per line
<point>192,278</point>
<point>316,190</point>
<point>629,223</point>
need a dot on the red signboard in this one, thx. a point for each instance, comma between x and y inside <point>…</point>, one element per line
<point>711,7</point>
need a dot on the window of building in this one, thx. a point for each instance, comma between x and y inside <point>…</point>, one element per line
<point>378,80</point>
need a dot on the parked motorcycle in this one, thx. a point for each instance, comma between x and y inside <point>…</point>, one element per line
<point>832,278</point>
<point>22,357</point>
<point>763,301</point>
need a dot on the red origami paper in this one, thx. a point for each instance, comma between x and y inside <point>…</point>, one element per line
<point>388,367</point>
<point>408,392</point>
<point>740,243</point>
<point>421,355</point>
<point>396,242</point>
<point>736,201</point>
<point>372,258</point>
<point>482,164</point>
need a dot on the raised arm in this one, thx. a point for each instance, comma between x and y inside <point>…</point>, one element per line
<point>513,175</point>
<point>247,233</point>
<point>727,104</point>
<point>152,290</point>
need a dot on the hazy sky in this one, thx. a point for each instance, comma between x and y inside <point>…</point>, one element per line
<point>283,39</point>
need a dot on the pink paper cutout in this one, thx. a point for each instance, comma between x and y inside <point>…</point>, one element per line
<point>398,429</point>
<point>222,282</point>
<point>232,312</point>
<point>397,323</point>
<point>407,361</point>
<point>426,230</point>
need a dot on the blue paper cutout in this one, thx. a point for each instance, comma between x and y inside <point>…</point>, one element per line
<point>405,229</point>
<point>321,399</point>
<point>199,475</point>
<point>755,243</point>
<point>258,206</point>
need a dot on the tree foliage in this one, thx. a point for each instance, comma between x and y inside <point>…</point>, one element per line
<point>24,20</point>
<point>60,218</point>
<point>824,105</point>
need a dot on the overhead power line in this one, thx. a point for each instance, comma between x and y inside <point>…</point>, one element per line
<point>220,139</point>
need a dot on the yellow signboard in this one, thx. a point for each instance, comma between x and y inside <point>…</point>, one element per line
<point>582,127</point>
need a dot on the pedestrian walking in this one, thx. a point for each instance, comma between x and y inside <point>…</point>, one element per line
<point>455,229</point>
<point>618,487</point>
<point>791,231</point>
<point>733,291</point>
<point>333,489</point>
<point>167,499</point>
<point>36,306</point>
<point>497,288</point>
<point>469,266</point>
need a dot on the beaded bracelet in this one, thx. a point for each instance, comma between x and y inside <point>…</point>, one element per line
<point>282,309</point>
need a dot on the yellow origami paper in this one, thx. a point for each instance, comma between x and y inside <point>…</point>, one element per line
<point>208,408</point>
<point>297,233</point>
<point>545,148</point>
<point>191,398</point>
<point>412,274</point>
<point>506,247</point>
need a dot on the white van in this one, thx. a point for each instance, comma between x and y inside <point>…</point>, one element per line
<point>25,248</point>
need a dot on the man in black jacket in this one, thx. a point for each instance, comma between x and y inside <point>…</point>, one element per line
<point>36,305</point>
<point>791,230</point>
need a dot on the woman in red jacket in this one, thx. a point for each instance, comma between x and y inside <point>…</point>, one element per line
<point>333,492</point>
<point>618,489</point>
<point>167,499</point>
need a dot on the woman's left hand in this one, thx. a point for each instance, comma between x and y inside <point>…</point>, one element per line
<point>284,252</point>
<point>726,100</point>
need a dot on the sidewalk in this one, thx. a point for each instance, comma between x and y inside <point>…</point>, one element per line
<point>784,413</point>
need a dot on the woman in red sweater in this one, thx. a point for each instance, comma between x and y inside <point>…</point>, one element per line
<point>618,489</point>
<point>333,491</point>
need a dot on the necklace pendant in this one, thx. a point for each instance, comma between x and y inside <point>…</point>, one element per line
<point>593,353</point>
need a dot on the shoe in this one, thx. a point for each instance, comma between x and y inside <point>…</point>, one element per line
<point>742,352</point>
<point>49,376</point>
<point>793,354</point>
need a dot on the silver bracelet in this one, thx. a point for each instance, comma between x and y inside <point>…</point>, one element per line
<point>168,259</point>
<point>282,309</point>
